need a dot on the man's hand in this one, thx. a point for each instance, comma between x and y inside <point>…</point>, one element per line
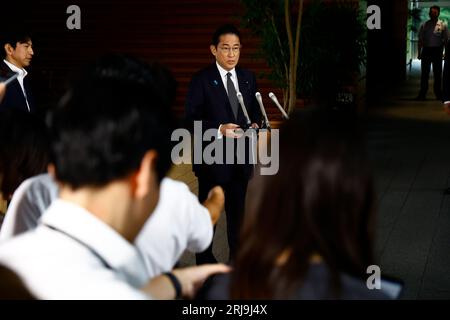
<point>255,126</point>
<point>192,278</point>
<point>231,130</point>
<point>2,91</point>
<point>215,203</point>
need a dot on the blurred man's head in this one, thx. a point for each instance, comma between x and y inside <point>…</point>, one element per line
<point>434,12</point>
<point>113,131</point>
<point>17,47</point>
<point>226,46</point>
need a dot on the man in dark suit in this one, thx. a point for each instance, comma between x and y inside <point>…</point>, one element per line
<point>17,55</point>
<point>433,36</point>
<point>212,100</point>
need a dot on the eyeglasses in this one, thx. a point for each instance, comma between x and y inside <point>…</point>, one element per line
<point>235,50</point>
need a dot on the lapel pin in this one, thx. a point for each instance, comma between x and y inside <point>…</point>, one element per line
<point>215,82</point>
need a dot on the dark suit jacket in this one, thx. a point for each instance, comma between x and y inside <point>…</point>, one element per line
<point>14,97</point>
<point>207,101</point>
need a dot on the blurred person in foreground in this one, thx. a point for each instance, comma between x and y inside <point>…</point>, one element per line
<point>309,229</point>
<point>110,150</point>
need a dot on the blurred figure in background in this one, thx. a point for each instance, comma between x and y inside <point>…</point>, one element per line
<point>433,37</point>
<point>24,149</point>
<point>16,52</point>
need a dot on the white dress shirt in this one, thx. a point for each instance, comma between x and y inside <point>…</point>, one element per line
<point>179,221</point>
<point>22,73</point>
<point>74,255</point>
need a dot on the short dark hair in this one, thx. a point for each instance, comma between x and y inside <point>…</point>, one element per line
<point>13,36</point>
<point>437,8</point>
<point>116,111</point>
<point>222,30</point>
<point>24,148</point>
<point>324,195</point>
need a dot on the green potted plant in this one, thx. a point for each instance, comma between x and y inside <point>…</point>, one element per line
<point>328,42</point>
<point>278,25</point>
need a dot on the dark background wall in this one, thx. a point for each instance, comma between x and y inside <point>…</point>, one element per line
<point>386,52</point>
<point>175,33</point>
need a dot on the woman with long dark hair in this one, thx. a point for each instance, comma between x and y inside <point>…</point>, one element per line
<point>308,231</point>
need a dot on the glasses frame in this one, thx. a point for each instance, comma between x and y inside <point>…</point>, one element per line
<point>226,50</point>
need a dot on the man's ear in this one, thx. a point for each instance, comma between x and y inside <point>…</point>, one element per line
<point>8,49</point>
<point>213,50</point>
<point>142,179</point>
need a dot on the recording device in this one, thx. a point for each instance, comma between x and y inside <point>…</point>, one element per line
<point>263,111</point>
<point>244,109</point>
<point>275,100</point>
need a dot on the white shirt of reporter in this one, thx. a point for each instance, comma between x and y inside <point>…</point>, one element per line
<point>178,223</point>
<point>74,255</point>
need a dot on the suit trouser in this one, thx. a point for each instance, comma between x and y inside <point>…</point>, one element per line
<point>431,56</point>
<point>235,191</point>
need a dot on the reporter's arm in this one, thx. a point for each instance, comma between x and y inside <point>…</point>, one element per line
<point>190,280</point>
<point>215,203</point>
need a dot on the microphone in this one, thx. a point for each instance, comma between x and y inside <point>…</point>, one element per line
<point>275,100</point>
<point>244,109</point>
<point>263,111</point>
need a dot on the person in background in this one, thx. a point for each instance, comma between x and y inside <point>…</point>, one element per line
<point>17,53</point>
<point>433,37</point>
<point>309,229</point>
